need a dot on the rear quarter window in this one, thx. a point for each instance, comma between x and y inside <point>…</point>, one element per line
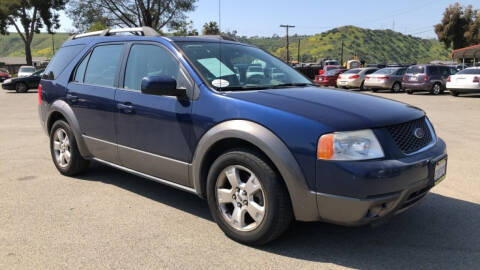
<point>60,61</point>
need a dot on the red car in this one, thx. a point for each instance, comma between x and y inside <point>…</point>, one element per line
<point>4,74</point>
<point>328,68</point>
<point>329,78</point>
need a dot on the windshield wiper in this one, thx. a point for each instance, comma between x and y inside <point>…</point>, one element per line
<point>244,88</point>
<point>291,84</point>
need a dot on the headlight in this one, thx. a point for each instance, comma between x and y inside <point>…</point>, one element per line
<point>7,81</point>
<point>350,145</point>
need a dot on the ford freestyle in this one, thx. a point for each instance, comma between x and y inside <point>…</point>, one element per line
<point>264,148</point>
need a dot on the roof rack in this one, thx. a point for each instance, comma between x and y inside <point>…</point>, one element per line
<point>221,37</point>
<point>145,30</point>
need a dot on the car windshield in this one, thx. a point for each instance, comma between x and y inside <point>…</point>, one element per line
<point>469,71</point>
<point>228,66</point>
<point>415,70</point>
<point>353,71</point>
<point>385,71</point>
<point>27,69</point>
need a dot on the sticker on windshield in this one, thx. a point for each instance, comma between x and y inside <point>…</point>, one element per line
<point>216,67</point>
<point>220,83</point>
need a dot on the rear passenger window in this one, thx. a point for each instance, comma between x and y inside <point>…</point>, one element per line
<point>81,70</point>
<point>149,60</point>
<point>433,70</point>
<point>60,61</point>
<point>103,65</point>
<point>401,71</point>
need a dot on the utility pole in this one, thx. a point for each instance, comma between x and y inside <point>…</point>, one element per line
<point>286,26</point>
<point>298,52</point>
<point>53,46</point>
<point>341,55</point>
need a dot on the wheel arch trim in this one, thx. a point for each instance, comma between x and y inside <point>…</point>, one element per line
<point>303,200</point>
<point>62,107</point>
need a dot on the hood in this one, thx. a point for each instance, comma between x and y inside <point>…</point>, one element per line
<point>337,109</point>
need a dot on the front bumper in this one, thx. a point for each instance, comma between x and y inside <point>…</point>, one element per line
<point>357,193</point>
<point>8,86</point>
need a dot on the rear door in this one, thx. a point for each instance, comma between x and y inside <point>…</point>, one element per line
<point>91,95</point>
<point>154,132</point>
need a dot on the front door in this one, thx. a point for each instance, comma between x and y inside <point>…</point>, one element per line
<point>91,94</point>
<point>153,132</point>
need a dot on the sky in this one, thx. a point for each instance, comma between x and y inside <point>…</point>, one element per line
<point>263,17</point>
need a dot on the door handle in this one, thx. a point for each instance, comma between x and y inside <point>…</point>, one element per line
<point>125,107</point>
<point>72,98</point>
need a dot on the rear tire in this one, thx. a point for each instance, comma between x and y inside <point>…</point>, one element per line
<point>396,87</point>
<point>64,150</point>
<point>454,93</point>
<point>436,89</point>
<point>21,87</point>
<point>255,207</point>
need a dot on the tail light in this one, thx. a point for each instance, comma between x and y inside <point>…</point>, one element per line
<point>449,79</point>
<point>354,76</point>
<point>367,78</point>
<point>425,78</point>
<point>476,79</point>
<point>383,78</point>
<point>404,78</point>
<point>39,94</point>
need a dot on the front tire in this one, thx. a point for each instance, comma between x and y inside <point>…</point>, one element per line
<point>21,87</point>
<point>247,198</point>
<point>64,150</point>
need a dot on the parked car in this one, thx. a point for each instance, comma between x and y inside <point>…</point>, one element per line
<point>329,78</point>
<point>465,81</point>
<point>4,74</point>
<point>429,78</point>
<point>353,64</point>
<point>262,153</point>
<point>386,78</point>
<point>354,78</point>
<point>25,71</point>
<point>22,84</point>
<point>327,68</point>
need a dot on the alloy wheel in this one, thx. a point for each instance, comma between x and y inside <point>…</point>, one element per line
<point>436,89</point>
<point>240,198</point>
<point>61,148</point>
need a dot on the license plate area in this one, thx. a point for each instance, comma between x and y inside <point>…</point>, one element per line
<point>439,170</point>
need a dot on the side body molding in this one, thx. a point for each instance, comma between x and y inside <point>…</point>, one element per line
<point>303,200</point>
<point>62,107</point>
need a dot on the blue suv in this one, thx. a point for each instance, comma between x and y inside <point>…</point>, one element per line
<point>238,127</point>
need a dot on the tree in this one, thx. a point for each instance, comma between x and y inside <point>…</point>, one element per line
<point>186,29</point>
<point>472,35</point>
<point>455,23</point>
<point>130,13</point>
<point>28,17</point>
<point>210,28</point>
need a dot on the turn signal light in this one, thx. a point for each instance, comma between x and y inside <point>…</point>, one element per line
<point>325,147</point>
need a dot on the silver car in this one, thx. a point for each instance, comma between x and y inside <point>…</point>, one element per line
<point>354,78</point>
<point>386,78</point>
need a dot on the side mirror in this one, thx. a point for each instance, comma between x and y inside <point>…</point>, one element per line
<point>161,86</point>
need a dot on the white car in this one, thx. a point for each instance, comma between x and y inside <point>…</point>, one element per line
<point>465,81</point>
<point>26,71</point>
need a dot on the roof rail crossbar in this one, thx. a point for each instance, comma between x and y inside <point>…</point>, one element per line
<point>145,30</point>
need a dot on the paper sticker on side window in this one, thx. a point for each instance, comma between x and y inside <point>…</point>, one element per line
<point>216,67</point>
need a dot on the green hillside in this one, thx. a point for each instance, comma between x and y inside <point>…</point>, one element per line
<point>373,46</point>
<point>12,44</point>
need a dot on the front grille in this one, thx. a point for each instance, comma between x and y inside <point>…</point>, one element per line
<point>404,135</point>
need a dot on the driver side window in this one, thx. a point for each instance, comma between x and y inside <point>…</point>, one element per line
<point>149,60</point>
